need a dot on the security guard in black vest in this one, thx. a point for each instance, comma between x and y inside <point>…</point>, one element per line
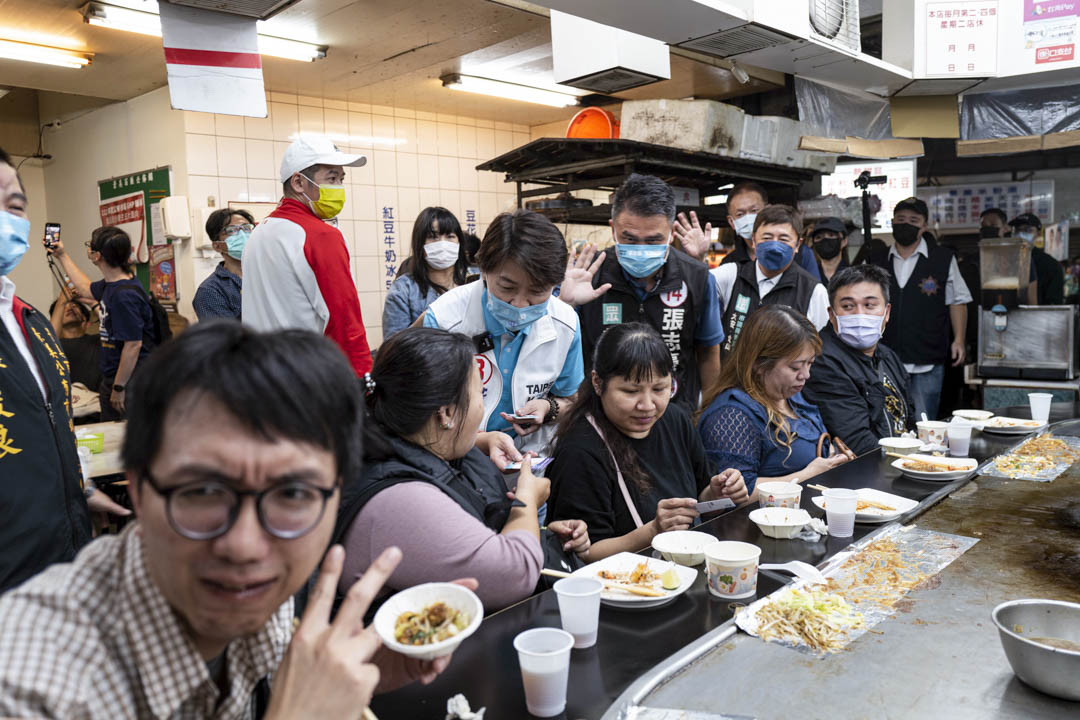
<point>929,304</point>
<point>652,282</point>
<point>772,278</point>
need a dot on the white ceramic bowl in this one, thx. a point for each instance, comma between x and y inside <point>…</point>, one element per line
<point>779,494</point>
<point>900,445</point>
<point>685,547</point>
<point>977,415</point>
<point>417,598</point>
<point>782,523</point>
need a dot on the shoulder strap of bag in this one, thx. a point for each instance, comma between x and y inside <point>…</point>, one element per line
<point>618,475</point>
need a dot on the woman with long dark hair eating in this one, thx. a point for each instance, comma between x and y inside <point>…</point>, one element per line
<point>628,461</point>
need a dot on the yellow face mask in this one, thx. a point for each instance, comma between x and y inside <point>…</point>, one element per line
<point>331,200</point>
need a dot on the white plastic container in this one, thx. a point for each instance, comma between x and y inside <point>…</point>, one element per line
<point>779,494</point>
<point>780,523</point>
<point>932,432</point>
<point>1040,406</point>
<point>900,445</point>
<point>840,504</point>
<point>685,547</point>
<point>959,434</point>
<point>579,608</point>
<point>544,656</point>
<point>417,598</point>
<point>732,569</point>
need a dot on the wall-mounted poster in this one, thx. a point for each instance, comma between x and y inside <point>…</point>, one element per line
<point>123,202</point>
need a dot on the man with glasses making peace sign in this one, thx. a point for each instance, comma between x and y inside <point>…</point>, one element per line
<point>236,451</point>
<point>219,295</point>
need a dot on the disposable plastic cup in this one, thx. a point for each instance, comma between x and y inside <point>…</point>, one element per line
<point>1040,406</point>
<point>959,438</point>
<point>544,656</point>
<point>579,608</point>
<point>840,511</point>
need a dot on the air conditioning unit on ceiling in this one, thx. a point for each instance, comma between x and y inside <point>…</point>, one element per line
<point>836,22</point>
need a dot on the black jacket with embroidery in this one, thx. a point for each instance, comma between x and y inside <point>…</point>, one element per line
<point>43,514</point>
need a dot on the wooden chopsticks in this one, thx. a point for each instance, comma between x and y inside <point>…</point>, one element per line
<point>822,488</point>
<point>632,589</point>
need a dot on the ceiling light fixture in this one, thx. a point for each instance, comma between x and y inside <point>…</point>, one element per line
<point>44,54</point>
<point>149,23</point>
<point>508,90</point>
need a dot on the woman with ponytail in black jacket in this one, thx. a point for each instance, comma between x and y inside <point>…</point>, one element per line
<point>429,490</point>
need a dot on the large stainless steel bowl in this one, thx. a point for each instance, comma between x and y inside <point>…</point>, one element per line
<point>1054,671</point>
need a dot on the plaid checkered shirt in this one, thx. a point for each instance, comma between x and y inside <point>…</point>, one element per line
<point>95,638</point>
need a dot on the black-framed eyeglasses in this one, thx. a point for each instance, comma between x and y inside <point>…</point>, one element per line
<point>206,509</point>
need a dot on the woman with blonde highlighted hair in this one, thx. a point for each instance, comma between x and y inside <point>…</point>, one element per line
<point>755,418</point>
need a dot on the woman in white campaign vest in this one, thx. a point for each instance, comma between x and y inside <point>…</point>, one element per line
<point>527,342</point>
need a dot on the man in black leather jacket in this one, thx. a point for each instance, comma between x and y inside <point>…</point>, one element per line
<point>860,385</point>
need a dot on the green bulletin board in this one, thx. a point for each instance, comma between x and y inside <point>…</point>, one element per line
<point>135,218</point>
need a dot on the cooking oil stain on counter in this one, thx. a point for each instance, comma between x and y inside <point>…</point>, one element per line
<point>1036,531</point>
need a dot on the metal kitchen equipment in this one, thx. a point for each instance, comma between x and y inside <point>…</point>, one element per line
<point>1017,340</point>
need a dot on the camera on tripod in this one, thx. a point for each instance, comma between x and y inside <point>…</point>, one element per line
<point>865,180</point>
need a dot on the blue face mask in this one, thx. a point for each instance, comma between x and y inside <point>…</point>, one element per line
<point>235,243</point>
<point>514,318</point>
<point>1026,236</point>
<point>773,255</point>
<point>14,240</point>
<point>641,260</point>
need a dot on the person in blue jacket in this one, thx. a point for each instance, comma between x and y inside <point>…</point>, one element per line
<point>755,418</point>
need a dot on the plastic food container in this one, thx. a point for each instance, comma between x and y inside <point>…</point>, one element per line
<point>732,569</point>
<point>94,442</point>
<point>417,598</point>
<point>685,547</point>
<point>900,445</point>
<point>779,494</point>
<point>932,432</point>
<point>781,523</point>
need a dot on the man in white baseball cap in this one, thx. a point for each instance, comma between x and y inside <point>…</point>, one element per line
<point>297,272</point>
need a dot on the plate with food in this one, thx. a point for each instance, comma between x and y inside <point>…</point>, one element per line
<point>1011,426</point>
<point>935,468</point>
<point>637,582</point>
<point>428,621</point>
<point>875,506</point>
<point>1040,458</point>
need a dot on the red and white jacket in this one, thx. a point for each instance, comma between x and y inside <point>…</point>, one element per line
<point>297,275</point>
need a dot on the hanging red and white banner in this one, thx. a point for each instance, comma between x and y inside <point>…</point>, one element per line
<point>213,61</point>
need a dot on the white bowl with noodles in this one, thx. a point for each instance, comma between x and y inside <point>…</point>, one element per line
<point>416,599</point>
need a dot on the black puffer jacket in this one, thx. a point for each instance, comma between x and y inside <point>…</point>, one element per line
<point>847,386</point>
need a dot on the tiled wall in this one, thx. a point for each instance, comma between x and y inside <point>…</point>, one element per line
<point>415,159</point>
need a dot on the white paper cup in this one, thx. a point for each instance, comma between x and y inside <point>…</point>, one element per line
<point>544,656</point>
<point>732,569</point>
<point>959,434</point>
<point>1040,406</point>
<point>579,608</point>
<point>779,494</point>
<point>840,506</point>
<point>932,432</point>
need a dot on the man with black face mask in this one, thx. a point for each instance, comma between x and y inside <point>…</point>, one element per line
<point>828,240</point>
<point>929,300</point>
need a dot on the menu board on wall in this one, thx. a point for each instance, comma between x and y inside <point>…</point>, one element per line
<point>959,206</point>
<point>961,38</point>
<point>900,185</point>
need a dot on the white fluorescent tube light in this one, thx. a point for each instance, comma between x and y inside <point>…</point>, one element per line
<point>44,54</point>
<point>148,23</point>
<point>510,91</point>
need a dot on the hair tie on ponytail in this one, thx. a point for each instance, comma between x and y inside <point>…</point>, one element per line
<point>369,385</point>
